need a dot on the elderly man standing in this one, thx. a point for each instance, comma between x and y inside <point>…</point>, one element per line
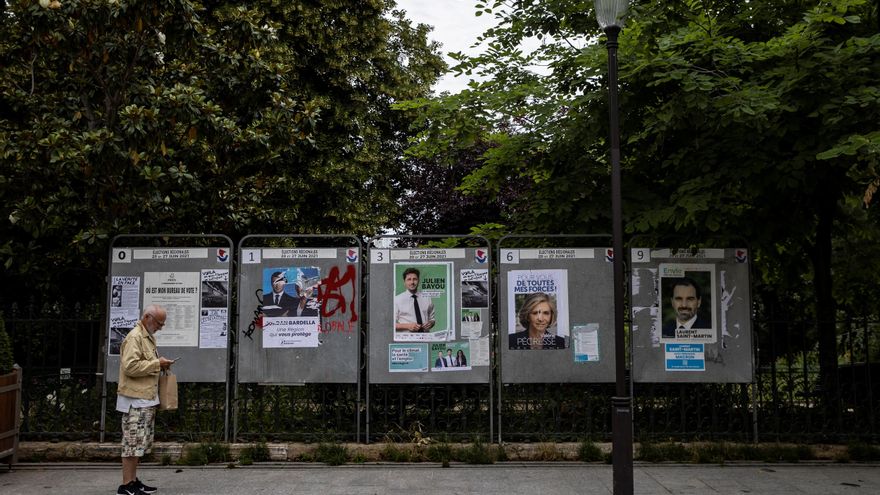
<point>138,395</point>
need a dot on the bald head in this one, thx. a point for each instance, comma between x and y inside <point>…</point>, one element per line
<point>154,317</point>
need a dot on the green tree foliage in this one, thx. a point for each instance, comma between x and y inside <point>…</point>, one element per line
<point>754,120</point>
<point>183,116</point>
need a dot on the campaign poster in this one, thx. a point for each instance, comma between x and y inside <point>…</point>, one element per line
<point>685,357</point>
<point>290,331</point>
<point>407,358</point>
<point>424,300</point>
<point>291,291</point>
<point>687,303</point>
<point>450,356</point>
<point>291,314</point>
<point>537,309</point>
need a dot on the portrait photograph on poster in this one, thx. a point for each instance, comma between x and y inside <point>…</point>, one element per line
<point>291,291</point>
<point>687,303</point>
<point>291,316</point>
<point>450,356</point>
<point>537,309</point>
<point>423,302</point>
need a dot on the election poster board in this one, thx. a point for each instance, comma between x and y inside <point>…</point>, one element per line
<point>691,315</point>
<point>555,314</point>
<point>300,310</point>
<point>192,284</point>
<point>429,315</point>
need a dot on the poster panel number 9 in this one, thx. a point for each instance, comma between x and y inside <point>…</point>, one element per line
<point>641,255</point>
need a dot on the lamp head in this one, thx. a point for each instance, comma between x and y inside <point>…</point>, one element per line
<point>610,13</point>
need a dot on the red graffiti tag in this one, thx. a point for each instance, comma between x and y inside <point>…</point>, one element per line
<point>331,296</point>
<point>336,326</point>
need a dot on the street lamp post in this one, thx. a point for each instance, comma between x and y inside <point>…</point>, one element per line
<point>609,14</point>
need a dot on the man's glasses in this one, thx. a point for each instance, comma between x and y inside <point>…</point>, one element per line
<point>161,323</point>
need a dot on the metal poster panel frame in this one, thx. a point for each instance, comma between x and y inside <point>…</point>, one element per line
<point>300,309</point>
<point>430,312</point>
<point>691,315</point>
<point>193,282</point>
<point>561,286</point>
<point>453,287</point>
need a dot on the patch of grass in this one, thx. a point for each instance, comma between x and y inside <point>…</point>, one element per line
<point>743,452</point>
<point>200,454</point>
<point>548,452</point>
<point>861,452</point>
<point>258,452</point>
<point>439,452</point>
<point>711,453</point>
<point>718,453</point>
<point>193,455</point>
<point>358,458</point>
<point>475,453</point>
<point>786,453</point>
<point>165,460</point>
<point>331,454</point>
<point>501,454</point>
<point>660,452</point>
<point>393,453</point>
<point>216,451</point>
<point>589,452</point>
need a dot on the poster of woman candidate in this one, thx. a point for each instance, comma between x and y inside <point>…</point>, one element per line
<point>537,309</point>
<point>687,302</point>
<point>423,302</point>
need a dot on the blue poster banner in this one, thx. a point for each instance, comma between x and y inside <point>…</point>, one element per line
<point>685,357</point>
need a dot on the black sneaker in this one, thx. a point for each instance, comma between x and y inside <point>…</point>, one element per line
<point>129,489</point>
<point>144,488</point>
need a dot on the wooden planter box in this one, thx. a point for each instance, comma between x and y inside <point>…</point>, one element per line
<point>10,414</point>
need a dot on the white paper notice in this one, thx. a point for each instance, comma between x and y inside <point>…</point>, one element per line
<point>586,342</point>
<point>213,328</point>
<point>125,295</point>
<point>471,329</point>
<point>214,316</point>
<point>178,293</point>
<point>480,351</point>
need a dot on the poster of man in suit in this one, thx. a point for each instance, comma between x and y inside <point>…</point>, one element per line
<point>290,307</point>
<point>687,303</point>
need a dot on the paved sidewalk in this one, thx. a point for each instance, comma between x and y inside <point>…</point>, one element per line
<point>431,479</point>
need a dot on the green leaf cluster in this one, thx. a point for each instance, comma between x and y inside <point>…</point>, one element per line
<point>741,122</point>
<point>189,117</point>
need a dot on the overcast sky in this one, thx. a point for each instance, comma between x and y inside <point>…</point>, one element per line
<point>455,27</point>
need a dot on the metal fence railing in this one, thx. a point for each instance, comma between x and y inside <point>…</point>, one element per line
<point>60,353</point>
